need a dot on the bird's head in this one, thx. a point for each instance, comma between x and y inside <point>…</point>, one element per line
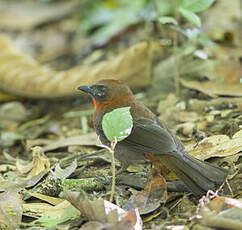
<point>108,93</point>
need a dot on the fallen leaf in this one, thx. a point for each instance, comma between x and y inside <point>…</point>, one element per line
<point>105,212</point>
<point>149,199</point>
<point>216,29</point>
<point>39,164</point>
<point>214,89</point>
<point>58,214</point>
<point>60,173</point>
<point>89,139</point>
<point>14,111</point>
<point>49,199</point>
<point>25,74</point>
<point>21,182</point>
<point>222,212</point>
<point>11,209</point>
<point>95,225</point>
<point>27,15</point>
<point>221,203</point>
<point>35,209</point>
<point>217,146</point>
<point>10,138</point>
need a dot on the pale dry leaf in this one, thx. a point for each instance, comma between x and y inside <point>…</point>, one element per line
<point>49,199</point>
<point>42,209</point>
<point>23,166</point>
<point>22,75</point>
<point>228,22</point>
<point>38,165</point>
<point>214,89</point>
<point>26,15</point>
<point>217,146</point>
<point>104,211</point>
<point>11,209</point>
<point>60,173</point>
<point>41,163</point>
<point>14,111</point>
<point>89,139</point>
<point>35,209</point>
<point>57,210</point>
<point>95,225</point>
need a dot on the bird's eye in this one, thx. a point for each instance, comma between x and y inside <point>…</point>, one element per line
<point>99,91</point>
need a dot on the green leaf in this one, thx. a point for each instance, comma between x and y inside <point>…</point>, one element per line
<point>196,5</point>
<point>204,40</point>
<point>165,20</point>
<point>68,213</point>
<point>118,123</point>
<point>190,16</point>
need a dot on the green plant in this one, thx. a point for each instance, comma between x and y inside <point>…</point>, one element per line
<point>188,10</point>
<point>102,19</point>
<point>117,125</point>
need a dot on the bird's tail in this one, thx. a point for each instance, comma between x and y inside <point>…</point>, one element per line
<point>199,176</point>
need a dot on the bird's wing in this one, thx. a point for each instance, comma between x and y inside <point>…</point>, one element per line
<point>148,137</point>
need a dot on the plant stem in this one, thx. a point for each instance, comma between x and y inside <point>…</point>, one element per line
<point>160,30</point>
<point>177,77</point>
<point>113,144</point>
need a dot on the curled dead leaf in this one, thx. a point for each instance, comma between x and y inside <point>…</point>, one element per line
<point>217,146</point>
<point>21,75</point>
<point>214,89</point>
<point>40,164</point>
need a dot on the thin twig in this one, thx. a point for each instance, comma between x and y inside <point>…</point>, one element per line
<point>209,196</point>
<point>111,151</point>
<point>160,30</point>
<point>177,77</point>
<point>113,144</point>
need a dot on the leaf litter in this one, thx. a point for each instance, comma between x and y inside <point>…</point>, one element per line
<point>65,155</point>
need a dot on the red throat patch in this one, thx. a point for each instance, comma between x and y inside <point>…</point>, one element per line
<point>95,103</point>
<point>115,101</point>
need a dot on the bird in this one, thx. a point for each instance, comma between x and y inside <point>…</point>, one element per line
<point>150,139</point>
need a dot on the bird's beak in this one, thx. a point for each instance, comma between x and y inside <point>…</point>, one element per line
<point>85,89</point>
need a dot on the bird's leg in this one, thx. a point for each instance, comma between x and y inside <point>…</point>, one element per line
<point>156,185</point>
<point>157,164</point>
<point>155,180</point>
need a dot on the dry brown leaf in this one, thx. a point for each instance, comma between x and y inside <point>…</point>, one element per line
<point>220,203</point>
<point>217,146</point>
<point>226,219</point>
<point>200,105</point>
<point>87,139</point>
<point>218,23</point>
<point>105,212</point>
<point>95,225</point>
<point>49,199</point>
<point>36,209</point>
<point>154,193</point>
<point>39,164</point>
<point>26,15</point>
<point>22,75</point>
<point>11,209</point>
<point>214,89</point>
<point>56,211</point>
<point>47,209</point>
<point>229,71</point>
